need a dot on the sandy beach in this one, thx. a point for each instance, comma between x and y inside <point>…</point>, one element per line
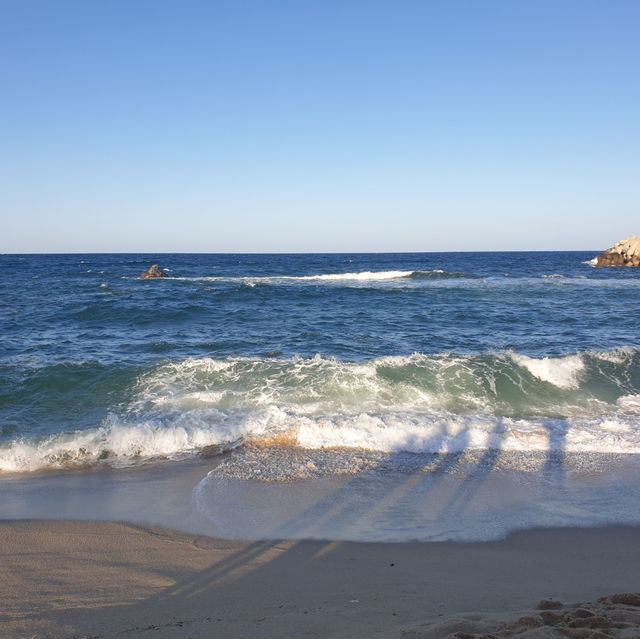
<point>89,579</point>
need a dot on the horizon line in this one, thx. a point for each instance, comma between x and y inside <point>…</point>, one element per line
<point>296,252</point>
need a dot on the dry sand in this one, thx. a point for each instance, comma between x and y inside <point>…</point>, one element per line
<point>86,579</point>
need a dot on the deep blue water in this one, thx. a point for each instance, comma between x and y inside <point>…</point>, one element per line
<point>236,346</point>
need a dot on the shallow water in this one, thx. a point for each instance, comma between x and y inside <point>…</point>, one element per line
<point>374,497</point>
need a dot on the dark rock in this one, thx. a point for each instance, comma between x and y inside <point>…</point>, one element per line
<point>153,273</point>
<point>624,253</point>
<point>585,633</point>
<point>549,604</point>
<point>590,622</point>
<point>523,624</point>
<point>628,599</point>
<point>550,618</point>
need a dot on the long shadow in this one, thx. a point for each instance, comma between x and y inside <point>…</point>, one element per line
<point>554,471</point>
<point>333,506</point>
<point>474,478</point>
<point>217,582</point>
<point>399,493</point>
<point>422,482</point>
<point>254,556</point>
<point>235,566</point>
<point>327,510</point>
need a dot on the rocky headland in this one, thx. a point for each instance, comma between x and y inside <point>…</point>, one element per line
<point>624,253</point>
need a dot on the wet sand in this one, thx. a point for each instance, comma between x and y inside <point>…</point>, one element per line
<point>98,579</point>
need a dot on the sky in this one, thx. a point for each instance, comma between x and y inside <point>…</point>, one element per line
<point>318,126</point>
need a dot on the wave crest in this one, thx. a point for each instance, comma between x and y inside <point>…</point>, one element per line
<point>357,276</point>
<point>586,402</point>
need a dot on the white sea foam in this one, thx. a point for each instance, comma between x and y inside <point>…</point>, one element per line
<point>562,372</point>
<point>361,276</point>
<point>364,276</point>
<point>120,443</point>
<point>615,356</point>
<point>455,434</point>
<point>438,403</point>
<point>629,403</point>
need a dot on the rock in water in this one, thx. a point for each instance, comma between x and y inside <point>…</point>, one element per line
<point>624,253</point>
<point>153,272</point>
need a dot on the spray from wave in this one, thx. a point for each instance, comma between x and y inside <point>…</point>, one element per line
<point>442,403</point>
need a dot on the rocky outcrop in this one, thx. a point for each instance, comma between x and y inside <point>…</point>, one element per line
<point>624,253</point>
<point>613,617</point>
<point>153,273</point>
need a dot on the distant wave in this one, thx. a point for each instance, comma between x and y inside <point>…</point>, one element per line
<point>361,276</point>
<point>372,277</point>
<point>584,402</point>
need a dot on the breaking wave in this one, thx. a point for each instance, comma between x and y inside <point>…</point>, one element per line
<point>439,403</point>
<point>361,276</point>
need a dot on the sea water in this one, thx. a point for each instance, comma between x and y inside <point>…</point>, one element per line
<point>365,396</point>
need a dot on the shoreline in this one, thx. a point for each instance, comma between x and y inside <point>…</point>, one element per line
<point>456,498</point>
<point>101,579</point>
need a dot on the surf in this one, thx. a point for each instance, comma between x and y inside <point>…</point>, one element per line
<point>422,403</point>
<point>356,276</point>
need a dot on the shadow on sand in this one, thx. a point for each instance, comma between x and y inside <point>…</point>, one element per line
<point>286,586</point>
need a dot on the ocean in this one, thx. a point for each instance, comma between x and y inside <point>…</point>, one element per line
<point>425,396</point>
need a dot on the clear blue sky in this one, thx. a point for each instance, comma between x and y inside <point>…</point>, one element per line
<point>130,125</point>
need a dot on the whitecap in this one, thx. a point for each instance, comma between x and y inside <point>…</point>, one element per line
<point>562,372</point>
<point>359,276</point>
<point>436,403</point>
